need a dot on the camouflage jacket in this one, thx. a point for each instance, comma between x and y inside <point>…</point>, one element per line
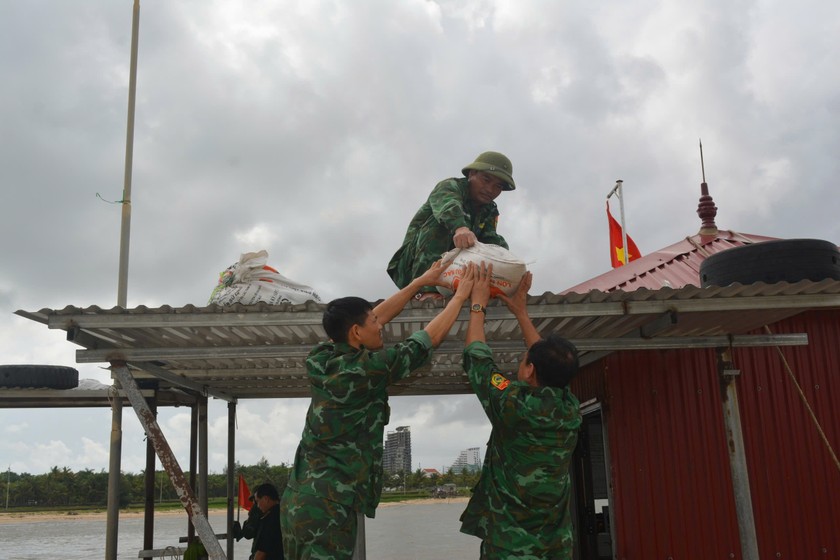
<point>340,453</point>
<point>521,501</point>
<point>430,232</point>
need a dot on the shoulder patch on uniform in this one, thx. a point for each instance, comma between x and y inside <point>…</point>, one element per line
<point>499,381</point>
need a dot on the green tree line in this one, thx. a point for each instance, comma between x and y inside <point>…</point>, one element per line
<point>61,487</point>
<point>418,480</point>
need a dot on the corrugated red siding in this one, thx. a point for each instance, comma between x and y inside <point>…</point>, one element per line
<point>672,488</point>
<point>671,484</point>
<point>795,483</point>
<point>589,384</point>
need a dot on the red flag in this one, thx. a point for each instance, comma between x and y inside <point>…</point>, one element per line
<point>617,244</point>
<point>244,494</point>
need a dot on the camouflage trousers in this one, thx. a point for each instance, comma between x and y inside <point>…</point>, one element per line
<point>490,552</point>
<point>315,528</point>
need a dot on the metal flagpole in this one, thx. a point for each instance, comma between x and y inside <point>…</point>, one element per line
<point>623,225</point>
<point>122,288</point>
<point>617,191</point>
<point>112,522</point>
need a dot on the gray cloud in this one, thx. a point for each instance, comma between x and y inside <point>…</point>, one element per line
<point>314,130</point>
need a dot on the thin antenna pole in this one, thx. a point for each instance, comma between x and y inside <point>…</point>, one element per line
<point>617,191</point>
<point>702,165</point>
<point>115,457</point>
<point>620,194</point>
<point>125,233</point>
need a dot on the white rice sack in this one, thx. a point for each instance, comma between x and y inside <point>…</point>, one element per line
<point>251,281</point>
<point>508,270</point>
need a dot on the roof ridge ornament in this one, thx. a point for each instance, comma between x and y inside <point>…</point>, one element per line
<point>706,208</point>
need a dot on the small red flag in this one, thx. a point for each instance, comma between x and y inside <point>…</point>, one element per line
<point>244,494</point>
<point>617,244</point>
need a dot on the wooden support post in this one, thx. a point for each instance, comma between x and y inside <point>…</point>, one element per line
<point>360,552</point>
<point>203,462</point>
<point>149,488</point>
<point>231,465</point>
<point>193,460</point>
<point>737,456</point>
<point>112,523</point>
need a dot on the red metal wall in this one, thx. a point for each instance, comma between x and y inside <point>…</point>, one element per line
<point>672,489</point>
<point>670,478</point>
<point>794,481</point>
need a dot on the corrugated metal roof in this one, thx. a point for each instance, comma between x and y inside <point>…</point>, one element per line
<point>83,398</point>
<point>259,351</point>
<point>675,266</point>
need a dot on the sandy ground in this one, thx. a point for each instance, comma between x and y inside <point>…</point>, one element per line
<point>427,501</point>
<point>34,516</point>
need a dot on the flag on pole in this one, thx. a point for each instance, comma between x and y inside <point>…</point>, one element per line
<point>617,245</point>
<point>244,494</point>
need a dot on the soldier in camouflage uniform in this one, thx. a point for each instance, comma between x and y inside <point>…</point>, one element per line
<point>457,213</point>
<point>337,473</point>
<point>520,506</point>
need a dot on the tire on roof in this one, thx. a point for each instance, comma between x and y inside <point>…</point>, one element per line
<point>783,260</point>
<point>35,376</point>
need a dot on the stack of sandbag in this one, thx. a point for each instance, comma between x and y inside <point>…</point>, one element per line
<point>508,270</point>
<point>251,281</point>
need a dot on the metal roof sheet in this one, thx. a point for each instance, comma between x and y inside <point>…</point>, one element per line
<point>259,351</point>
<point>83,398</point>
<point>675,266</point>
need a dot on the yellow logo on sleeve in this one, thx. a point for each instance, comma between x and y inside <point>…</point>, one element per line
<point>499,381</point>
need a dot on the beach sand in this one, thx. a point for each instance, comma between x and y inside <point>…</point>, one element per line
<point>37,516</point>
<point>428,501</point>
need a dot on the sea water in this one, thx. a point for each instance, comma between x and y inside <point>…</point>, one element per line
<point>426,531</point>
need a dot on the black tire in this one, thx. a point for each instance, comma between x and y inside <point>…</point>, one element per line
<point>783,260</point>
<point>33,376</point>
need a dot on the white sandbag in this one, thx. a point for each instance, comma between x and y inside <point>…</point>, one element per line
<point>508,270</point>
<point>252,281</point>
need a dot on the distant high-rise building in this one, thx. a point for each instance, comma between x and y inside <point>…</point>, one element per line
<point>397,456</point>
<point>468,460</point>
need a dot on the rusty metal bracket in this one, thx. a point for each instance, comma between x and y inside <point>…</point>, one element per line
<point>731,373</point>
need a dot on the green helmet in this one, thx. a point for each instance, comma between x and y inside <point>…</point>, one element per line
<point>495,164</point>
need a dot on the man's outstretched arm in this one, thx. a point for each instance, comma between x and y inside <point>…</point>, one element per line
<point>392,306</point>
<point>481,296</point>
<point>518,305</point>
<point>439,327</point>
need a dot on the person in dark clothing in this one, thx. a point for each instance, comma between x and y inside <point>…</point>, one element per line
<point>268,544</point>
<point>249,528</point>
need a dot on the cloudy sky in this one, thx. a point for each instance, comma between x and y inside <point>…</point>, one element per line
<point>315,129</point>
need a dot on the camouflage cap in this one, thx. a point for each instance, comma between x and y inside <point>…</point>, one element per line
<point>495,164</point>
